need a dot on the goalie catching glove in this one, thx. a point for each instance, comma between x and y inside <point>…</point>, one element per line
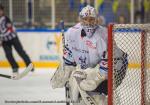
<point>89,78</point>
<point>79,74</point>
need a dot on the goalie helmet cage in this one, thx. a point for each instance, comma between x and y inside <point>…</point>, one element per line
<point>134,88</point>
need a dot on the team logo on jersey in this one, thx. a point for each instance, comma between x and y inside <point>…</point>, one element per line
<point>90,44</point>
<point>82,61</point>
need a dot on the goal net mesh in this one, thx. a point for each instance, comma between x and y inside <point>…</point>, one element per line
<point>130,85</point>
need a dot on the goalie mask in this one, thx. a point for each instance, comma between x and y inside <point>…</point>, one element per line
<point>88,18</point>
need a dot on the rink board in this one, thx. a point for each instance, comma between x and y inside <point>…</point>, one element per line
<point>43,47</point>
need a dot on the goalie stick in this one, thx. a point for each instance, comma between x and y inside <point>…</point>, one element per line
<point>21,75</point>
<point>61,66</point>
<point>62,26</point>
<point>86,98</point>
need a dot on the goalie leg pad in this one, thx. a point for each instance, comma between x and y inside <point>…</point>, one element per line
<point>73,89</point>
<point>100,99</point>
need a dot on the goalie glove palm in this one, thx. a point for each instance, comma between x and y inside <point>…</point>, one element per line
<point>79,74</point>
<point>92,81</point>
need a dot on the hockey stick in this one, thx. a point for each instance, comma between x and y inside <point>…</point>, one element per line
<point>23,74</point>
<point>62,26</point>
<point>86,98</point>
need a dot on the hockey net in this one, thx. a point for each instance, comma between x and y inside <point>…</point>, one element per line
<point>134,88</point>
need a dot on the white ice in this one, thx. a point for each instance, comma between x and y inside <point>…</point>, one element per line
<point>35,87</point>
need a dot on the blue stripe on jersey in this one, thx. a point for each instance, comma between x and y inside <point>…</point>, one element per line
<point>104,69</point>
<point>67,62</point>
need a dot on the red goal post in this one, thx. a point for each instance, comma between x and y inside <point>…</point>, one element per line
<point>134,40</point>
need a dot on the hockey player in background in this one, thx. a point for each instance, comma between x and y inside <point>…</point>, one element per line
<point>85,59</point>
<point>8,40</point>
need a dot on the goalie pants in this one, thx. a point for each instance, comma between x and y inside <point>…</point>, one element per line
<point>7,46</point>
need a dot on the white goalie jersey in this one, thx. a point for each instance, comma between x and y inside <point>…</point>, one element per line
<point>82,50</point>
<point>88,52</point>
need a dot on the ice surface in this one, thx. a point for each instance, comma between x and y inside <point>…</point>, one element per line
<point>35,87</point>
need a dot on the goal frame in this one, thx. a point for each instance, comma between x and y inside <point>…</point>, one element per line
<point>110,62</point>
